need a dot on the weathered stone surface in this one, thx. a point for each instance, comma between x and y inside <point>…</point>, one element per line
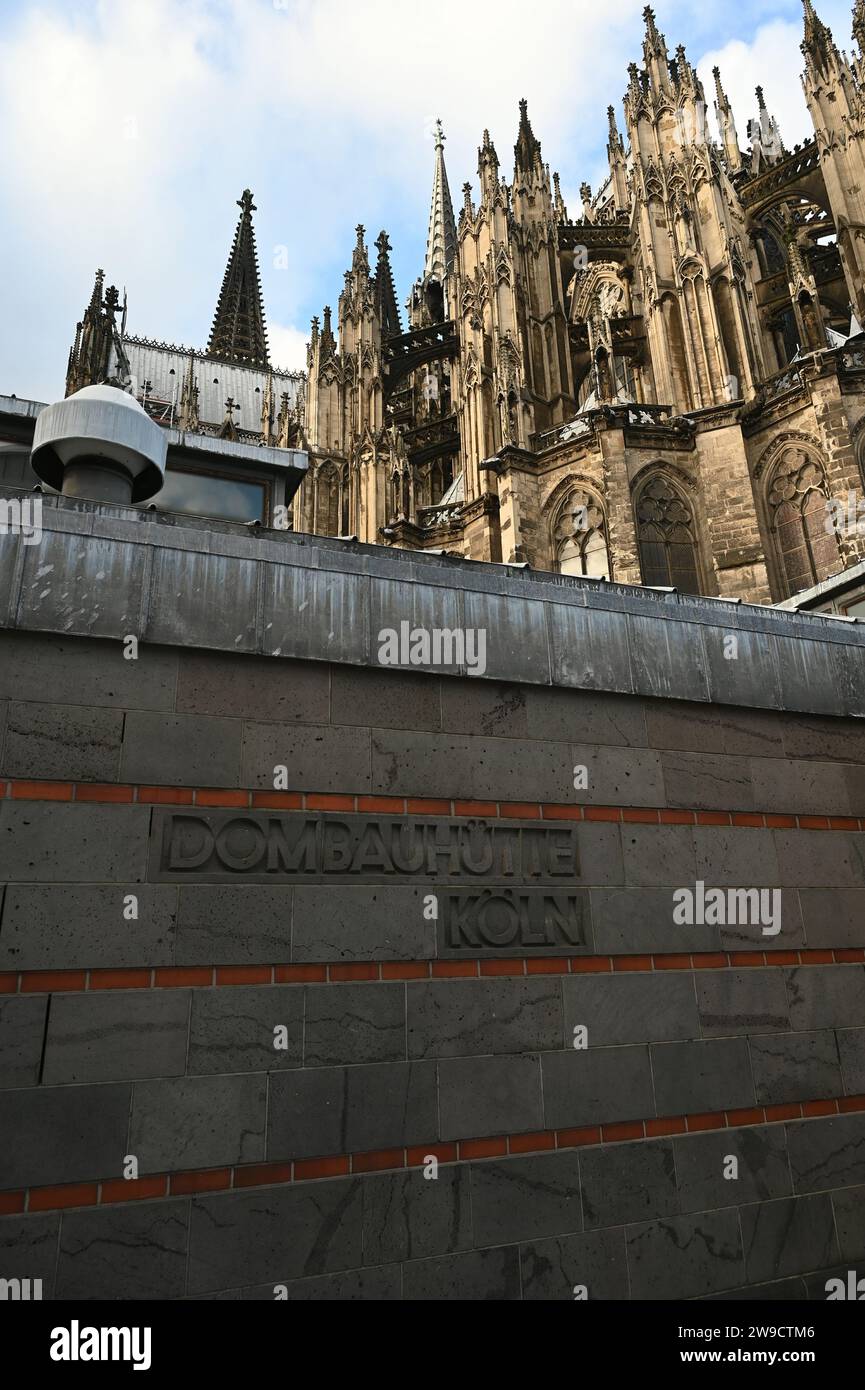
<point>116,1036</point>
<point>57,741</point>
<point>63,1134</point>
<point>129,1252</point>
<point>198,1122</point>
<point>234,1030</point>
<point>54,842</point>
<point>22,1028</point>
<point>685,1256</point>
<point>63,927</point>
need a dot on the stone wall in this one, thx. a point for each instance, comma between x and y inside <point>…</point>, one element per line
<point>284,1001</point>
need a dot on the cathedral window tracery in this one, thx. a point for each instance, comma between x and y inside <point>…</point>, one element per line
<point>580,536</point>
<point>798,502</point>
<point>667,537</point>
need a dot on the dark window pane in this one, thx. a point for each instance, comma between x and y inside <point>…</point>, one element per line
<point>226,498</point>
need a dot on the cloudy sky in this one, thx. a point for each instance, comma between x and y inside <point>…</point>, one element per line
<point>131,127</point>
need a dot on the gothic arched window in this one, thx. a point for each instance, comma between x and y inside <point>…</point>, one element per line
<point>798,497</point>
<point>580,537</point>
<point>666,537</point>
<point>327,500</point>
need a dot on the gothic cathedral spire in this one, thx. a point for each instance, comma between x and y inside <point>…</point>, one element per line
<point>385,295</point>
<point>239,333</point>
<point>442,239</point>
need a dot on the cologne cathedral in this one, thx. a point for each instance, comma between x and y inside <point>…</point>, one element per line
<point>664,386</point>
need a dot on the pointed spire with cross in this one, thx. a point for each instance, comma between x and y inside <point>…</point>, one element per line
<point>239,333</point>
<point>442,235</point>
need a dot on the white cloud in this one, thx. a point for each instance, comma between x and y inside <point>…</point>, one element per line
<point>287,347</point>
<point>771,60</point>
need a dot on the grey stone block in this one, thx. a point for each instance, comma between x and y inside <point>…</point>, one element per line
<point>385,699</point>
<point>316,615</point>
<point>354,1023</point>
<point>789,1236</point>
<point>370,923</point>
<point>741,1001</point>
<point>658,854</point>
<point>520,1199</point>
<point>116,1035</point>
<point>708,781</point>
<point>489,1275</point>
<point>135,1251</point>
<point>628,1182</point>
<point>601,858</point>
<point>28,1247</point>
<point>798,1066</point>
<point>644,1006</point>
<point>694,728</point>
<point>181,750</point>
<point>833,916</point>
<point>735,855</point>
<point>827,1153</point>
<point>596,1086</point>
<point>275,1234</point>
<point>750,934</point>
<point>851,1050</point>
<point>186,583</point>
<point>826,740</point>
<point>685,1256</point>
<point>382,1284</point>
<point>619,776</point>
<point>63,928</point>
<point>826,996</point>
<point>590,649</point>
<point>803,788</point>
<point>489,1095</point>
<point>455,1018</point>
<point>854,785</point>
<point>849,1206</point>
<point>234,925</point>
<point>86,585</point>
<point>818,859</point>
<point>451,765</point>
<point>749,678</point>
<point>687,728</point>
<point>574,716</point>
<point>517,645</point>
<point>232,1030</point>
<point>22,1029</point>
<point>696,1077</point>
<point>319,758</point>
<point>483,709</point>
<point>702,1165</point>
<point>198,1122</point>
<point>409,1216</point>
<point>248,687</point>
<point>62,842</point>
<point>63,1135</point>
<point>335,1110</point>
<point>632,921</point>
<point>595,1261</point>
<point>62,741</point>
<point>668,659</point>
